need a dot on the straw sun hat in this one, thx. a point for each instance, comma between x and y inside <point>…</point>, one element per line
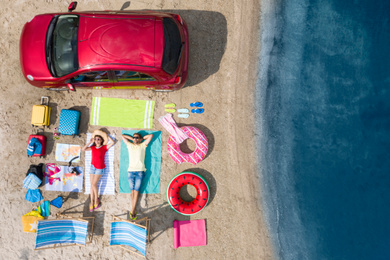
<point>102,134</point>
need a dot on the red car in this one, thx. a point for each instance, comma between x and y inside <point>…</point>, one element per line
<point>105,49</point>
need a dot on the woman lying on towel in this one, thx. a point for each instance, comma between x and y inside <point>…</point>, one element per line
<point>136,170</point>
<point>101,142</point>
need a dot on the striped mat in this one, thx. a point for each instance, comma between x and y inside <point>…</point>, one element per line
<point>64,231</point>
<point>125,113</point>
<point>31,181</point>
<point>106,183</point>
<point>125,233</point>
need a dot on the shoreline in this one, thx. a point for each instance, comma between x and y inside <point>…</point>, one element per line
<point>252,44</point>
<point>222,54</point>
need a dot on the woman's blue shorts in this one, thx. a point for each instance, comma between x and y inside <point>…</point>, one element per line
<point>93,170</point>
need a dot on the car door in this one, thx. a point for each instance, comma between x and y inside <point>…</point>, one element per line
<point>93,79</point>
<point>133,80</point>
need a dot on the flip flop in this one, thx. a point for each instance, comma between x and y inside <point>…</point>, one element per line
<point>171,105</point>
<point>135,216</point>
<point>196,104</point>
<point>197,111</point>
<point>183,115</point>
<point>98,205</point>
<point>91,209</point>
<point>170,110</point>
<point>183,110</point>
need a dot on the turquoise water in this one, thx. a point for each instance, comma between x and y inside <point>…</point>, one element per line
<point>324,127</point>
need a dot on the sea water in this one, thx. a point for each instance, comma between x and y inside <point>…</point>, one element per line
<point>323,96</point>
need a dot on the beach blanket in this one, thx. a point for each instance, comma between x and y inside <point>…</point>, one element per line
<point>65,152</point>
<point>106,183</point>
<point>151,181</point>
<point>64,180</point>
<point>189,233</point>
<point>125,113</point>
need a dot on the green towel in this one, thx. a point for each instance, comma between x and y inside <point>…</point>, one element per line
<point>118,112</point>
<point>151,181</point>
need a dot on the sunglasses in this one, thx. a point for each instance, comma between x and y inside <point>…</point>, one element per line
<point>136,137</point>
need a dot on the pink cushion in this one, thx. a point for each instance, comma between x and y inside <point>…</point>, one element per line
<point>189,233</point>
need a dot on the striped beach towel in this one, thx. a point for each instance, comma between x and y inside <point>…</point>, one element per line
<point>31,181</point>
<point>66,231</point>
<point>125,113</point>
<point>169,124</point>
<point>106,183</point>
<point>125,233</point>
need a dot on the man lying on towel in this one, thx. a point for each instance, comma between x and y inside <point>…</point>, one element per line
<point>136,168</point>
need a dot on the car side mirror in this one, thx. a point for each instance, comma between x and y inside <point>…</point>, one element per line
<point>72,6</point>
<point>70,86</point>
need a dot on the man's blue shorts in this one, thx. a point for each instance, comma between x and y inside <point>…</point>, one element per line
<point>135,180</point>
<point>93,170</point>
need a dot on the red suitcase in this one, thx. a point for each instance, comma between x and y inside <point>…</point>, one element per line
<point>42,139</point>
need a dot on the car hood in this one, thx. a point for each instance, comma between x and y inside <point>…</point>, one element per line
<point>32,47</point>
<point>136,41</point>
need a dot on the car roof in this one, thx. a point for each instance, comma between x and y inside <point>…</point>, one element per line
<point>135,40</point>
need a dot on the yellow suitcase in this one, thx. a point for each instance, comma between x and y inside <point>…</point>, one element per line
<point>41,113</point>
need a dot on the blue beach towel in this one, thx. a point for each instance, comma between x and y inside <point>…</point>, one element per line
<point>151,181</point>
<point>34,147</point>
<point>44,209</point>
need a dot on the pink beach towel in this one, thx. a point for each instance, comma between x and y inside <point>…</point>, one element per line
<point>169,124</point>
<point>189,233</point>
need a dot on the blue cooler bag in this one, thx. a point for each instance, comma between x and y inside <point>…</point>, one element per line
<point>69,122</point>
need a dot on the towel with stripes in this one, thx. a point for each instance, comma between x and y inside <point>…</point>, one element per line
<point>106,183</point>
<point>119,112</point>
<point>31,181</point>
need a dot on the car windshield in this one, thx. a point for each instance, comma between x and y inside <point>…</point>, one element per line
<point>61,45</point>
<point>173,46</point>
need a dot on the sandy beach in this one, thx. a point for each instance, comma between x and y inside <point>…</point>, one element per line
<point>223,39</point>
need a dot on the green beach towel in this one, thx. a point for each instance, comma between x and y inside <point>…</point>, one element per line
<point>119,112</point>
<point>151,181</point>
